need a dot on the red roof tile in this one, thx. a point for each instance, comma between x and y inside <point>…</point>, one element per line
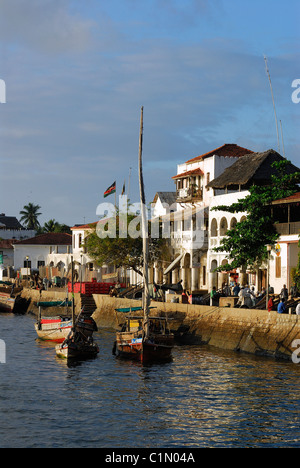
<point>7,243</point>
<point>189,173</point>
<point>49,238</point>
<point>230,150</point>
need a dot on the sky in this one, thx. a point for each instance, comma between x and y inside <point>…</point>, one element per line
<point>78,71</point>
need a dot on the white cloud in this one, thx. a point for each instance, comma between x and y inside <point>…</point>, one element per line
<point>44,25</point>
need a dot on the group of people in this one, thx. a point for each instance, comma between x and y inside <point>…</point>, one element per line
<point>248,297</point>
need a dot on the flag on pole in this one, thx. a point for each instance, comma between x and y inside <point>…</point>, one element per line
<point>123,189</point>
<point>110,190</point>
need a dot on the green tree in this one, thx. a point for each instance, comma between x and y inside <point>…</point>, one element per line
<point>246,242</point>
<point>30,214</point>
<point>51,226</point>
<point>54,226</point>
<point>125,251</point>
<point>297,273</point>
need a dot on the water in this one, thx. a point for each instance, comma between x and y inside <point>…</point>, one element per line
<point>203,398</point>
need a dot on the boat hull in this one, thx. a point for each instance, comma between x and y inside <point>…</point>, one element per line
<point>7,303</point>
<point>155,349</point>
<point>53,330</point>
<point>73,350</point>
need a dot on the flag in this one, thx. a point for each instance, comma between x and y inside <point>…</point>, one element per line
<point>111,189</point>
<point>123,189</point>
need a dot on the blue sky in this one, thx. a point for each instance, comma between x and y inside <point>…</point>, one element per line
<point>77,73</point>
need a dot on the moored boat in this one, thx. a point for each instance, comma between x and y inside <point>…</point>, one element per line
<point>79,344</point>
<point>7,303</point>
<point>54,329</point>
<point>58,328</point>
<point>131,342</point>
<point>77,347</point>
<point>144,338</point>
<point>11,300</point>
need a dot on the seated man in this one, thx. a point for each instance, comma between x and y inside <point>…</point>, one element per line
<point>281,307</point>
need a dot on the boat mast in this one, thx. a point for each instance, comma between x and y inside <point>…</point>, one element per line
<point>146,295</point>
<point>73,302</point>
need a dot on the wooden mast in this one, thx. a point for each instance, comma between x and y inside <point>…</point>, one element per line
<point>146,295</point>
<point>73,301</point>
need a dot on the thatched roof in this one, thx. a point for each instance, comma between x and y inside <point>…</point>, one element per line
<point>251,168</point>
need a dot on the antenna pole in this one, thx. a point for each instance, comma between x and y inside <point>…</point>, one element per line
<point>267,70</point>
<point>282,139</point>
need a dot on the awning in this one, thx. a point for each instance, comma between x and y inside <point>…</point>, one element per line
<point>173,264</point>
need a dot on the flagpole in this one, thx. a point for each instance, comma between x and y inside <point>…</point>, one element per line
<point>129,183</point>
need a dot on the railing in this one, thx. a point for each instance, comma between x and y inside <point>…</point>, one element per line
<point>189,194</point>
<point>286,229</point>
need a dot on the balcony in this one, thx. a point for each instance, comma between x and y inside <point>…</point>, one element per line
<point>286,229</point>
<point>189,195</point>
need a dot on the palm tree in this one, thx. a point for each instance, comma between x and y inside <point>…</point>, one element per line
<point>51,226</point>
<point>30,216</point>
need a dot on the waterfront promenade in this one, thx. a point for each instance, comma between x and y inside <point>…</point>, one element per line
<point>252,331</point>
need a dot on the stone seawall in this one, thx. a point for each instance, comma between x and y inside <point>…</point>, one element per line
<point>252,331</point>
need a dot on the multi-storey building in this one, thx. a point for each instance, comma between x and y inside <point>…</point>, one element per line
<point>191,220</point>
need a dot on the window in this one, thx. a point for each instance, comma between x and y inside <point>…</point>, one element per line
<point>27,263</point>
<point>223,227</point>
<point>214,228</point>
<point>40,263</point>
<point>278,267</point>
<point>207,179</point>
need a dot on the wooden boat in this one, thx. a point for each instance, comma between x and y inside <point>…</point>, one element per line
<point>79,343</point>
<point>58,328</point>
<point>54,329</point>
<point>11,301</point>
<point>7,303</point>
<point>131,342</point>
<point>144,338</point>
<point>77,347</point>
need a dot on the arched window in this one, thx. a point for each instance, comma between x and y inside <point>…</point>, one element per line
<point>223,227</point>
<point>214,228</point>
<point>233,223</point>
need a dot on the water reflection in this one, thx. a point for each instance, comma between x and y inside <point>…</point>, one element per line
<point>203,398</point>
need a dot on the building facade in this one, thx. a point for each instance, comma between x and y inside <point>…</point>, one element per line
<point>190,233</point>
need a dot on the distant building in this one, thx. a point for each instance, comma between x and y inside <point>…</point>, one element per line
<point>11,228</point>
<point>39,251</point>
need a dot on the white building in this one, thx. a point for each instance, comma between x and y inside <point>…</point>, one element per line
<point>284,257</point>
<point>40,250</point>
<point>191,222</point>
<point>228,188</point>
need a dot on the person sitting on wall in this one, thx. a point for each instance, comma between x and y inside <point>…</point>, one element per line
<point>214,296</point>
<point>270,304</point>
<point>185,299</point>
<point>281,307</point>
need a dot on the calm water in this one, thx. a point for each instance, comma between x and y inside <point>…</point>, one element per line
<point>204,398</point>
